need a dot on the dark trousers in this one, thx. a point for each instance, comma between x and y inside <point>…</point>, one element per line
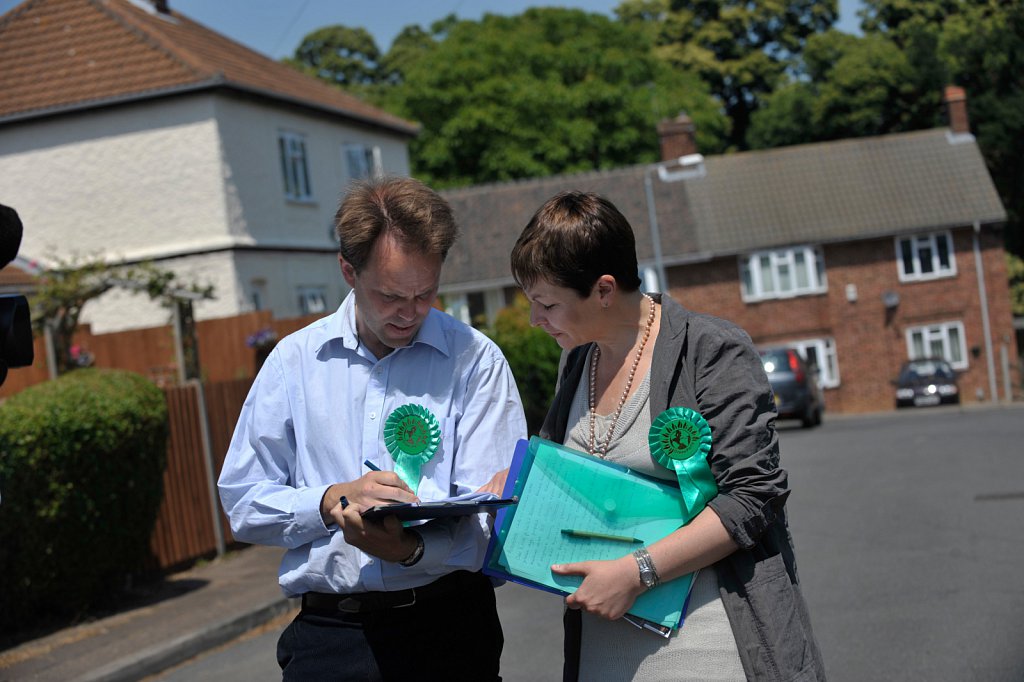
<point>453,636</point>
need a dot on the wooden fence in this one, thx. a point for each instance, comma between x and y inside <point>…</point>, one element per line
<point>201,418</point>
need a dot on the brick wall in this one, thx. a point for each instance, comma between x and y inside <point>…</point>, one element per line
<point>870,338</point>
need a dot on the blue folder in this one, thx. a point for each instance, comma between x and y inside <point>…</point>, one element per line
<point>561,489</point>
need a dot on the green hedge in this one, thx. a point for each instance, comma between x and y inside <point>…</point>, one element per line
<point>81,475</point>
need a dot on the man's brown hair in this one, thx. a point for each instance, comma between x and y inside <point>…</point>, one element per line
<point>417,216</point>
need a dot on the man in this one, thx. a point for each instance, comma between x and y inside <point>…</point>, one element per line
<point>386,382</point>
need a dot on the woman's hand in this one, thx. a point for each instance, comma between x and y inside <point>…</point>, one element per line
<point>609,588</point>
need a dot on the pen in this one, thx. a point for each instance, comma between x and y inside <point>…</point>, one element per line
<point>344,501</point>
<point>587,535</point>
<point>371,466</point>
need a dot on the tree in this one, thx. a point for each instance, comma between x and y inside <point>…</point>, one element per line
<point>549,91</point>
<point>743,50</point>
<point>66,288</point>
<point>347,57</point>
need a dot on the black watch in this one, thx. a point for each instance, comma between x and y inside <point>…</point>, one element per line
<point>417,553</point>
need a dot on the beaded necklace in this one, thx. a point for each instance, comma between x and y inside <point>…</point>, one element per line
<point>594,359</point>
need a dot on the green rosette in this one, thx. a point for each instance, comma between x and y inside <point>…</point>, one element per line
<point>412,435</point>
<point>680,439</point>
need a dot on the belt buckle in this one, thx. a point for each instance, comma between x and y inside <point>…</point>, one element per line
<point>402,606</point>
<point>350,605</point>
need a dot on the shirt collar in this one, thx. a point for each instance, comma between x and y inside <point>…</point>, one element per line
<point>342,325</point>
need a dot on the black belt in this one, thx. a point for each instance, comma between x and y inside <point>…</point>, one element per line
<point>365,602</point>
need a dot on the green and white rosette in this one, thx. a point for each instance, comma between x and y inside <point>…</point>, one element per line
<point>680,439</point>
<point>412,435</point>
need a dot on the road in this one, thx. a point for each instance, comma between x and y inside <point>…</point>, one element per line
<point>908,529</point>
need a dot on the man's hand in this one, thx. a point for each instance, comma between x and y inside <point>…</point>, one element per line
<point>386,539</point>
<point>609,588</point>
<point>373,488</point>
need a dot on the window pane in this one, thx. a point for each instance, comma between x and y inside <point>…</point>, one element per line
<point>955,355</point>
<point>935,344</point>
<point>767,277</point>
<point>942,246</point>
<point>925,255</point>
<point>745,278</point>
<point>916,345</point>
<point>785,281</point>
<point>803,280</point>
<point>908,256</point>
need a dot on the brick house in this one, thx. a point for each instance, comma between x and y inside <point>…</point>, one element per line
<point>130,132</point>
<point>861,253</point>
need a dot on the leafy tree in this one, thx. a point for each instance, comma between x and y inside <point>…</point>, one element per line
<point>743,50</point>
<point>533,356</point>
<point>549,91</point>
<point>1015,268</point>
<point>348,57</point>
<point>66,288</point>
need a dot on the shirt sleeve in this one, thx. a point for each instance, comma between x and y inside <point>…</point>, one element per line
<point>256,487</point>
<point>735,398</point>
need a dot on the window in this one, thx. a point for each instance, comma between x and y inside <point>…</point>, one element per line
<point>363,161</point>
<point>926,256</point>
<point>943,340</point>
<point>312,300</point>
<point>294,166</point>
<point>822,353</point>
<point>783,273</point>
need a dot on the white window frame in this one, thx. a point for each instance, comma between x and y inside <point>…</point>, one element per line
<point>295,166</point>
<point>924,248</point>
<point>825,356</point>
<point>753,286</point>
<point>953,346</point>
<point>312,299</point>
<point>370,162</point>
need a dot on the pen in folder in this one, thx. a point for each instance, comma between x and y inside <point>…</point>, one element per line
<point>586,534</point>
<point>371,466</point>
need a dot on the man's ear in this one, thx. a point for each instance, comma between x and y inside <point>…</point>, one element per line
<point>347,271</point>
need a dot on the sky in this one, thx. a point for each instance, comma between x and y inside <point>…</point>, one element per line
<point>276,27</point>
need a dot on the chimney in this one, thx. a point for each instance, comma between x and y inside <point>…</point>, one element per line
<point>161,6</point>
<point>678,137</point>
<point>955,100</point>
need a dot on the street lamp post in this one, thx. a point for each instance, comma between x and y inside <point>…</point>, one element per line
<point>673,170</point>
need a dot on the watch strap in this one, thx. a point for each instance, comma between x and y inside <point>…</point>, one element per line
<point>648,573</point>
<point>417,553</point>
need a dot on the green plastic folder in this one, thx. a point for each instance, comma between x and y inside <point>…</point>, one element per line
<point>562,489</point>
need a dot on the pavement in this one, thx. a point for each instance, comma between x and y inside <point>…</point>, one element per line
<point>190,612</point>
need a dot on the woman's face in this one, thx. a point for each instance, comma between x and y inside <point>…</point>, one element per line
<point>569,319</point>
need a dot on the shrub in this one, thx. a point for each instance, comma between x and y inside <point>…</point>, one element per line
<point>533,356</point>
<point>81,474</point>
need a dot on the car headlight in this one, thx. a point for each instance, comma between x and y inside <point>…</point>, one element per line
<point>948,389</point>
<point>904,393</point>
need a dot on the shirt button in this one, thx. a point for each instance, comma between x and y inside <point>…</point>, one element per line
<point>369,562</point>
<point>373,415</point>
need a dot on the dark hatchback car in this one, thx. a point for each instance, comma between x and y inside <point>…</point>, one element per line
<point>925,382</point>
<point>795,385</point>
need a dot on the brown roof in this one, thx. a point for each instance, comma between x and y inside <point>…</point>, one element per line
<point>806,194</point>
<point>60,55</point>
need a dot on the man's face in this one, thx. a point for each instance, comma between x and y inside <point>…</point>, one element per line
<point>394,293</point>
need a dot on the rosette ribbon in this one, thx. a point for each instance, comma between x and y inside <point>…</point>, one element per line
<point>680,439</point>
<point>412,435</point>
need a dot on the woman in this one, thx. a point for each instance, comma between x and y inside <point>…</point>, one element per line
<point>630,356</point>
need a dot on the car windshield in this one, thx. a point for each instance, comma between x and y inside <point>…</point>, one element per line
<point>928,369</point>
<point>775,361</point>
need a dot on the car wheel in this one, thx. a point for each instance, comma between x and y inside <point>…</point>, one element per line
<point>812,418</point>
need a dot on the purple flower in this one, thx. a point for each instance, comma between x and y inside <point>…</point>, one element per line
<point>263,338</point>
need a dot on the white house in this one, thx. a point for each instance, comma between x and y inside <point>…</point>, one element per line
<point>131,132</point>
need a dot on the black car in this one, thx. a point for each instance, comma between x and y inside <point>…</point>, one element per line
<point>925,382</point>
<point>795,385</point>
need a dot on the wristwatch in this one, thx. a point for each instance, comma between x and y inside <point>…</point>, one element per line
<point>648,574</point>
<point>417,553</point>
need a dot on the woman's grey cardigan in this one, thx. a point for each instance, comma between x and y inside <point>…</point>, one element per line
<point>711,366</point>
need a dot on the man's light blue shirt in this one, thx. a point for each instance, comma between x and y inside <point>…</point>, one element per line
<point>317,410</point>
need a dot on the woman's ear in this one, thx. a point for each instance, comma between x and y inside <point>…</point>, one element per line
<point>606,287</point>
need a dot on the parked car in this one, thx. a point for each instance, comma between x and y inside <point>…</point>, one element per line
<point>924,382</point>
<point>795,385</point>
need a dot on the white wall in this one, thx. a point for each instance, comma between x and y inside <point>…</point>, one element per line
<point>186,181</point>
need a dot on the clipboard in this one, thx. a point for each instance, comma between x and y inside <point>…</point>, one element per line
<point>559,487</point>
<point>419,511</point>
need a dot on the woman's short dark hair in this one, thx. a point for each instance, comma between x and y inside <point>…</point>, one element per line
<point>404,208</point>
<point>573,239</point>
